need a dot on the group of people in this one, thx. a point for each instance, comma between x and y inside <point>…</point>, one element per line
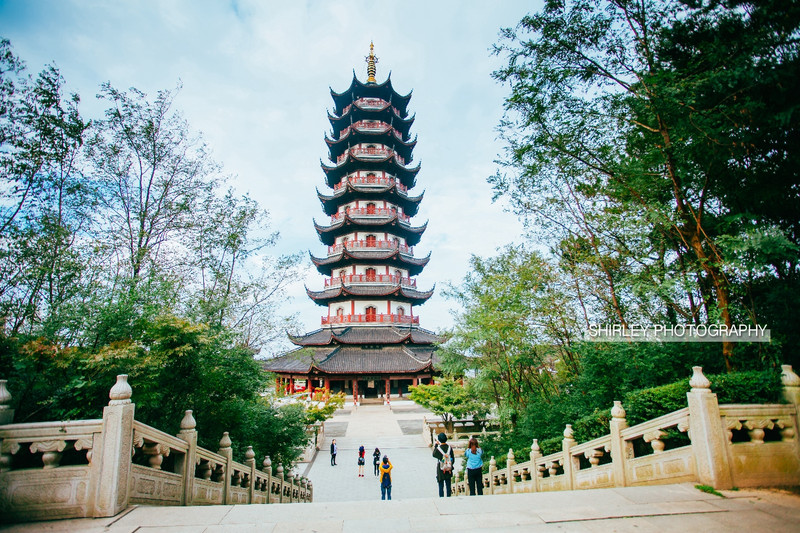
<point>382,468</point>
<point>445,459</point>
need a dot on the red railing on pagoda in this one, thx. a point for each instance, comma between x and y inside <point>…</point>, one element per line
<point>376,179</point>
<point>364,319</point>
<point>370,245</point>
<point>363,211</point>
<point>382,152</point>
<point>377,278</point>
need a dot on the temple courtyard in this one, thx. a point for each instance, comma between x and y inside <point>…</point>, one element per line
<point>344,502</point>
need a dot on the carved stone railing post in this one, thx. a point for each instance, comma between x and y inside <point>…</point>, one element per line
<point>567,462</point>
<point>111,460</point>
<point>492,469</point>
<point>250,460</point>
<point>6,412</point>
<point>266,467</point>
<point>619,451</point>
<point>791,390</point>
<point>536,452</point>
<point>510,462</point>
<point>279,475</point>
<point>709,439</point>
<point>226,451</point>
<point>186,468</point>
<point>310,493</point>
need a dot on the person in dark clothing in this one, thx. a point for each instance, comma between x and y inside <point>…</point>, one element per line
<point>443,452</point>
<point>334,449</point>
<point>376,461</point>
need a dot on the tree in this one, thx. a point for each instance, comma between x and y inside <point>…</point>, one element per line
<point>646,118</point>
<point>448,399</point>
<point>44,200</point>
<point>514,323</point>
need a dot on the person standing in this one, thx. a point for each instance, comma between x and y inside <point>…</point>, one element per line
<point>334,449</point>
<point>474,457</point>
<point>386,479</point>
<point>443,452</point>
<point>361,452</point>
<point>376,461</point>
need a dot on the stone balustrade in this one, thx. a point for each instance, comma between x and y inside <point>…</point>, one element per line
<point>95,468</point>
<point>723,446</point>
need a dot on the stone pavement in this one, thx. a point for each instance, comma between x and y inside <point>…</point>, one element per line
<point>679,508</point>
<point>397,432</point>
<point>345,503</point>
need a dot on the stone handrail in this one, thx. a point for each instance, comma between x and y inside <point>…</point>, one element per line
<point>95,468</point>
<point>725,446</point>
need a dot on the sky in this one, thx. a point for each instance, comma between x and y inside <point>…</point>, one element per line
<point>255,79</point>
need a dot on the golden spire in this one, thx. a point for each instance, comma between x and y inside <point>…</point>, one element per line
<point>371,61</point>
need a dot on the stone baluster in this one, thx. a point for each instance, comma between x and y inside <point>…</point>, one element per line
<point>111,464</point>
<point>536,453</point>
<point>567,462</point>
<point>492,470</point>
<point>250,460</point>
<point>186,468</point>
<point>6,412</point>
<point>266,467</point>
<point>226,451</point>
<point>51,452</point>
<point>708,436</point>
<point>791,392</point>
<point>619,448</point>
<point>456,476</point>
<point>310,492</point>
<point>281,491</point>
<point>155,453</point>
<point>511,461</point>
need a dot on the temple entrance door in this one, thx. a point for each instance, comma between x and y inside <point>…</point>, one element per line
<point>372,314</point>
<point>369,388</point>
<point>371,274</point>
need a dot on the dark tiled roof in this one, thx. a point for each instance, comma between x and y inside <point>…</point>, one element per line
<point>368,335</point>
<point>417,297</point>
<point>414,265</point>
<point>355,359</point>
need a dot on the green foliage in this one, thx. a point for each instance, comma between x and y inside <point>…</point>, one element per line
<point>709,490</point>
<point>321,410</point>
<point>652,146</point>
<point>448,399</point>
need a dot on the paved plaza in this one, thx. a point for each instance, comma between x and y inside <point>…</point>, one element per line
<point>345,503</point>
<point>397,432</point>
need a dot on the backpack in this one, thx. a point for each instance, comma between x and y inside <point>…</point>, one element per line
<point>446,464</point>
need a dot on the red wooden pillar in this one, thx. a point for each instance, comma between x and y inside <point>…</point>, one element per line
<point>416,381</point>
<point>291,385</point>
<point>327,388</point>
<point>388,391</point>
<point>355,391</point>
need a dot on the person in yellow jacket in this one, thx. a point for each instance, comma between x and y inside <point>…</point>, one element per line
<point>386,479</point>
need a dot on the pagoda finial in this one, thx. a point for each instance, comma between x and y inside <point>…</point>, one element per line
<point>371,62</point>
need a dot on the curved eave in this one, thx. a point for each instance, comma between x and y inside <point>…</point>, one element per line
<point>392,258</point>
<point>331,203</point>
<point>356,113</point>
<point>385,138</point>
<point>357,90</point>
<point>407,176</point>
<point>345,292</point>
<point>348,224</point>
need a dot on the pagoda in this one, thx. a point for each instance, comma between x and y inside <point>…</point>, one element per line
<point>370,344</point>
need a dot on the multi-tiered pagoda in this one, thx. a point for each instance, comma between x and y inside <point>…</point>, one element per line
<point>370,344</point>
